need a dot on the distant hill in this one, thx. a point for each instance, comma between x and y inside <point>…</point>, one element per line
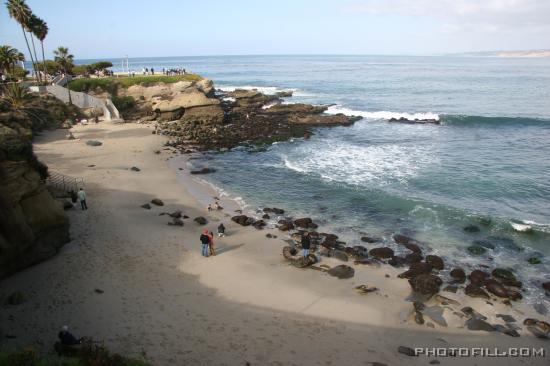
<point>526,53</point>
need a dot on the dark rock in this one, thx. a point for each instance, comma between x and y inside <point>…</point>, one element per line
<point>496,288</point>
<point>200,220</point>
<point>450,288</point>
<point>203,171</point>
<point>534,260</point>
<point>458,275</point>
<point>401,239</point>
<point>416,269</point>
<point>418,318</point>
<point>241,220</point>
<point>369,239</point>
<point>156,201</point>
<point>15,298</point>
<point>94,143</point>
<point>473,290</point>
<point>135,169</point>
<point>381,253</point>
<point>98,291</point>
<point>506,318</point>
<point>472,313</point>
<point>471,229</point>
<point>540,308</point>
<point>477,277</point>
<point>259,224</point>
<point>364,289</point>
<point>397,261</point>
<point>275,210</point>
<point>176,222</point>
<point>338,254</point>
<point>358,251</point>
<point>342,271</point>
<point>413,247</point>
<point>504,274</point>
<point>285,225</point>
<point>265,217</point>
<point>305,223</point>
<point>426,284</point>
<point>413,258</point>
<point>539,328</point>
<point>546,286</point>
<point>476,249</point>
<point>435,261</point>
<point>479,324</point>
<point>406,351</point>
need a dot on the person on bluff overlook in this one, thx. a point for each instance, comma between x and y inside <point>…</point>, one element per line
<point>82,198</point>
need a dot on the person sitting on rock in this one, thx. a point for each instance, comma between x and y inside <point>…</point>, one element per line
<point>67,338</point>
<point>205,241</point>
<point>306,243</point>
<point>217,206</point>
<point>221,230</point>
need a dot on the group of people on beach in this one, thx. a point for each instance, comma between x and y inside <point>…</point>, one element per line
<point>207,240</point>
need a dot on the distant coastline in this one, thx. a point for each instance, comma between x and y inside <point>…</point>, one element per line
<point>524,53</point>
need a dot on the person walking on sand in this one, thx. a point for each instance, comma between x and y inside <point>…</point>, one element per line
<point>221,230</point>
<point>82,198</point>
<point>211,244</point>
<point>306,243</point>
<point>205,241</point>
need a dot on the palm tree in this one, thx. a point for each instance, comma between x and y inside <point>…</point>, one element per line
<point>31,25</point>
<point>65,60</point>
<point>9,57</point>
<point>40,30</point>
<point>20,11</point>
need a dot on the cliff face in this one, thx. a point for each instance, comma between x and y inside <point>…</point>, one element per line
<point>33,226</point>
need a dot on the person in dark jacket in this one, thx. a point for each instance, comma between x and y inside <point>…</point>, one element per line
<point>221,230</point>
<point>205,242</point>
<point>67,338</point>
<point>306,243</point>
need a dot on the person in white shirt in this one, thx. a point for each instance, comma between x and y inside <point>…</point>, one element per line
<point>82,198</point>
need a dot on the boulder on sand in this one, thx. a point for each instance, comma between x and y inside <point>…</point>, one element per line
<point>478,277</point>
<point>458,275</point>
<point>435,261</point>
<point>342,271</point>
<point>157,202</point>
<point>94,143</point>
<point>305,223</point>
<point>473,290</point>
<point>416,269</point>
<point>381,253</point>
<point>200,220</point>
<point>426,284</point>
<point>539,328</point>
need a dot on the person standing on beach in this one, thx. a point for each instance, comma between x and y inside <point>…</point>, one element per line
<point>82,198</point>
<point>205,242</point>
<point>306,243</point>
<point>211,244</point>
<point>221,230</point>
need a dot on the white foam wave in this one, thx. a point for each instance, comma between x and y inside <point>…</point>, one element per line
<point>358,165</point>
<point>380,115</point>
<point>269,90</point>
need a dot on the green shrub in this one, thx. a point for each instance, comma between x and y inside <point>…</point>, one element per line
<point>86,84</point>
<point>123,103</point>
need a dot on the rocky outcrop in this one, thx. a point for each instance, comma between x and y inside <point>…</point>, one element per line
<point>33,226</point>
<point>194,114</point>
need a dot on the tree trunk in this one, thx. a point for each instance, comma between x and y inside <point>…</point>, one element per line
<point>30,53</point>
<point>36,58</point>
<point>44,61</point>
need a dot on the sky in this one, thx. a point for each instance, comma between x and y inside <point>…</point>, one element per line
<point>116,28</point>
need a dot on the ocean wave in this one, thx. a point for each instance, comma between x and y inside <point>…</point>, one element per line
<point>380,115</point>
<point>269,90</point>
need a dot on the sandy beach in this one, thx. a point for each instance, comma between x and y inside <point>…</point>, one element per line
<point>159,299</point>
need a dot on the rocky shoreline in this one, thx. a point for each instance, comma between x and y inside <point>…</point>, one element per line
<point>196,116</point>
<point>427,274</point>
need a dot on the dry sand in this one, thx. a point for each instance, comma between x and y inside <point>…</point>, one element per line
<point>166,303</point>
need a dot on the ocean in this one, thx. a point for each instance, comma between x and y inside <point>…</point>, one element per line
<point>487,164</point>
